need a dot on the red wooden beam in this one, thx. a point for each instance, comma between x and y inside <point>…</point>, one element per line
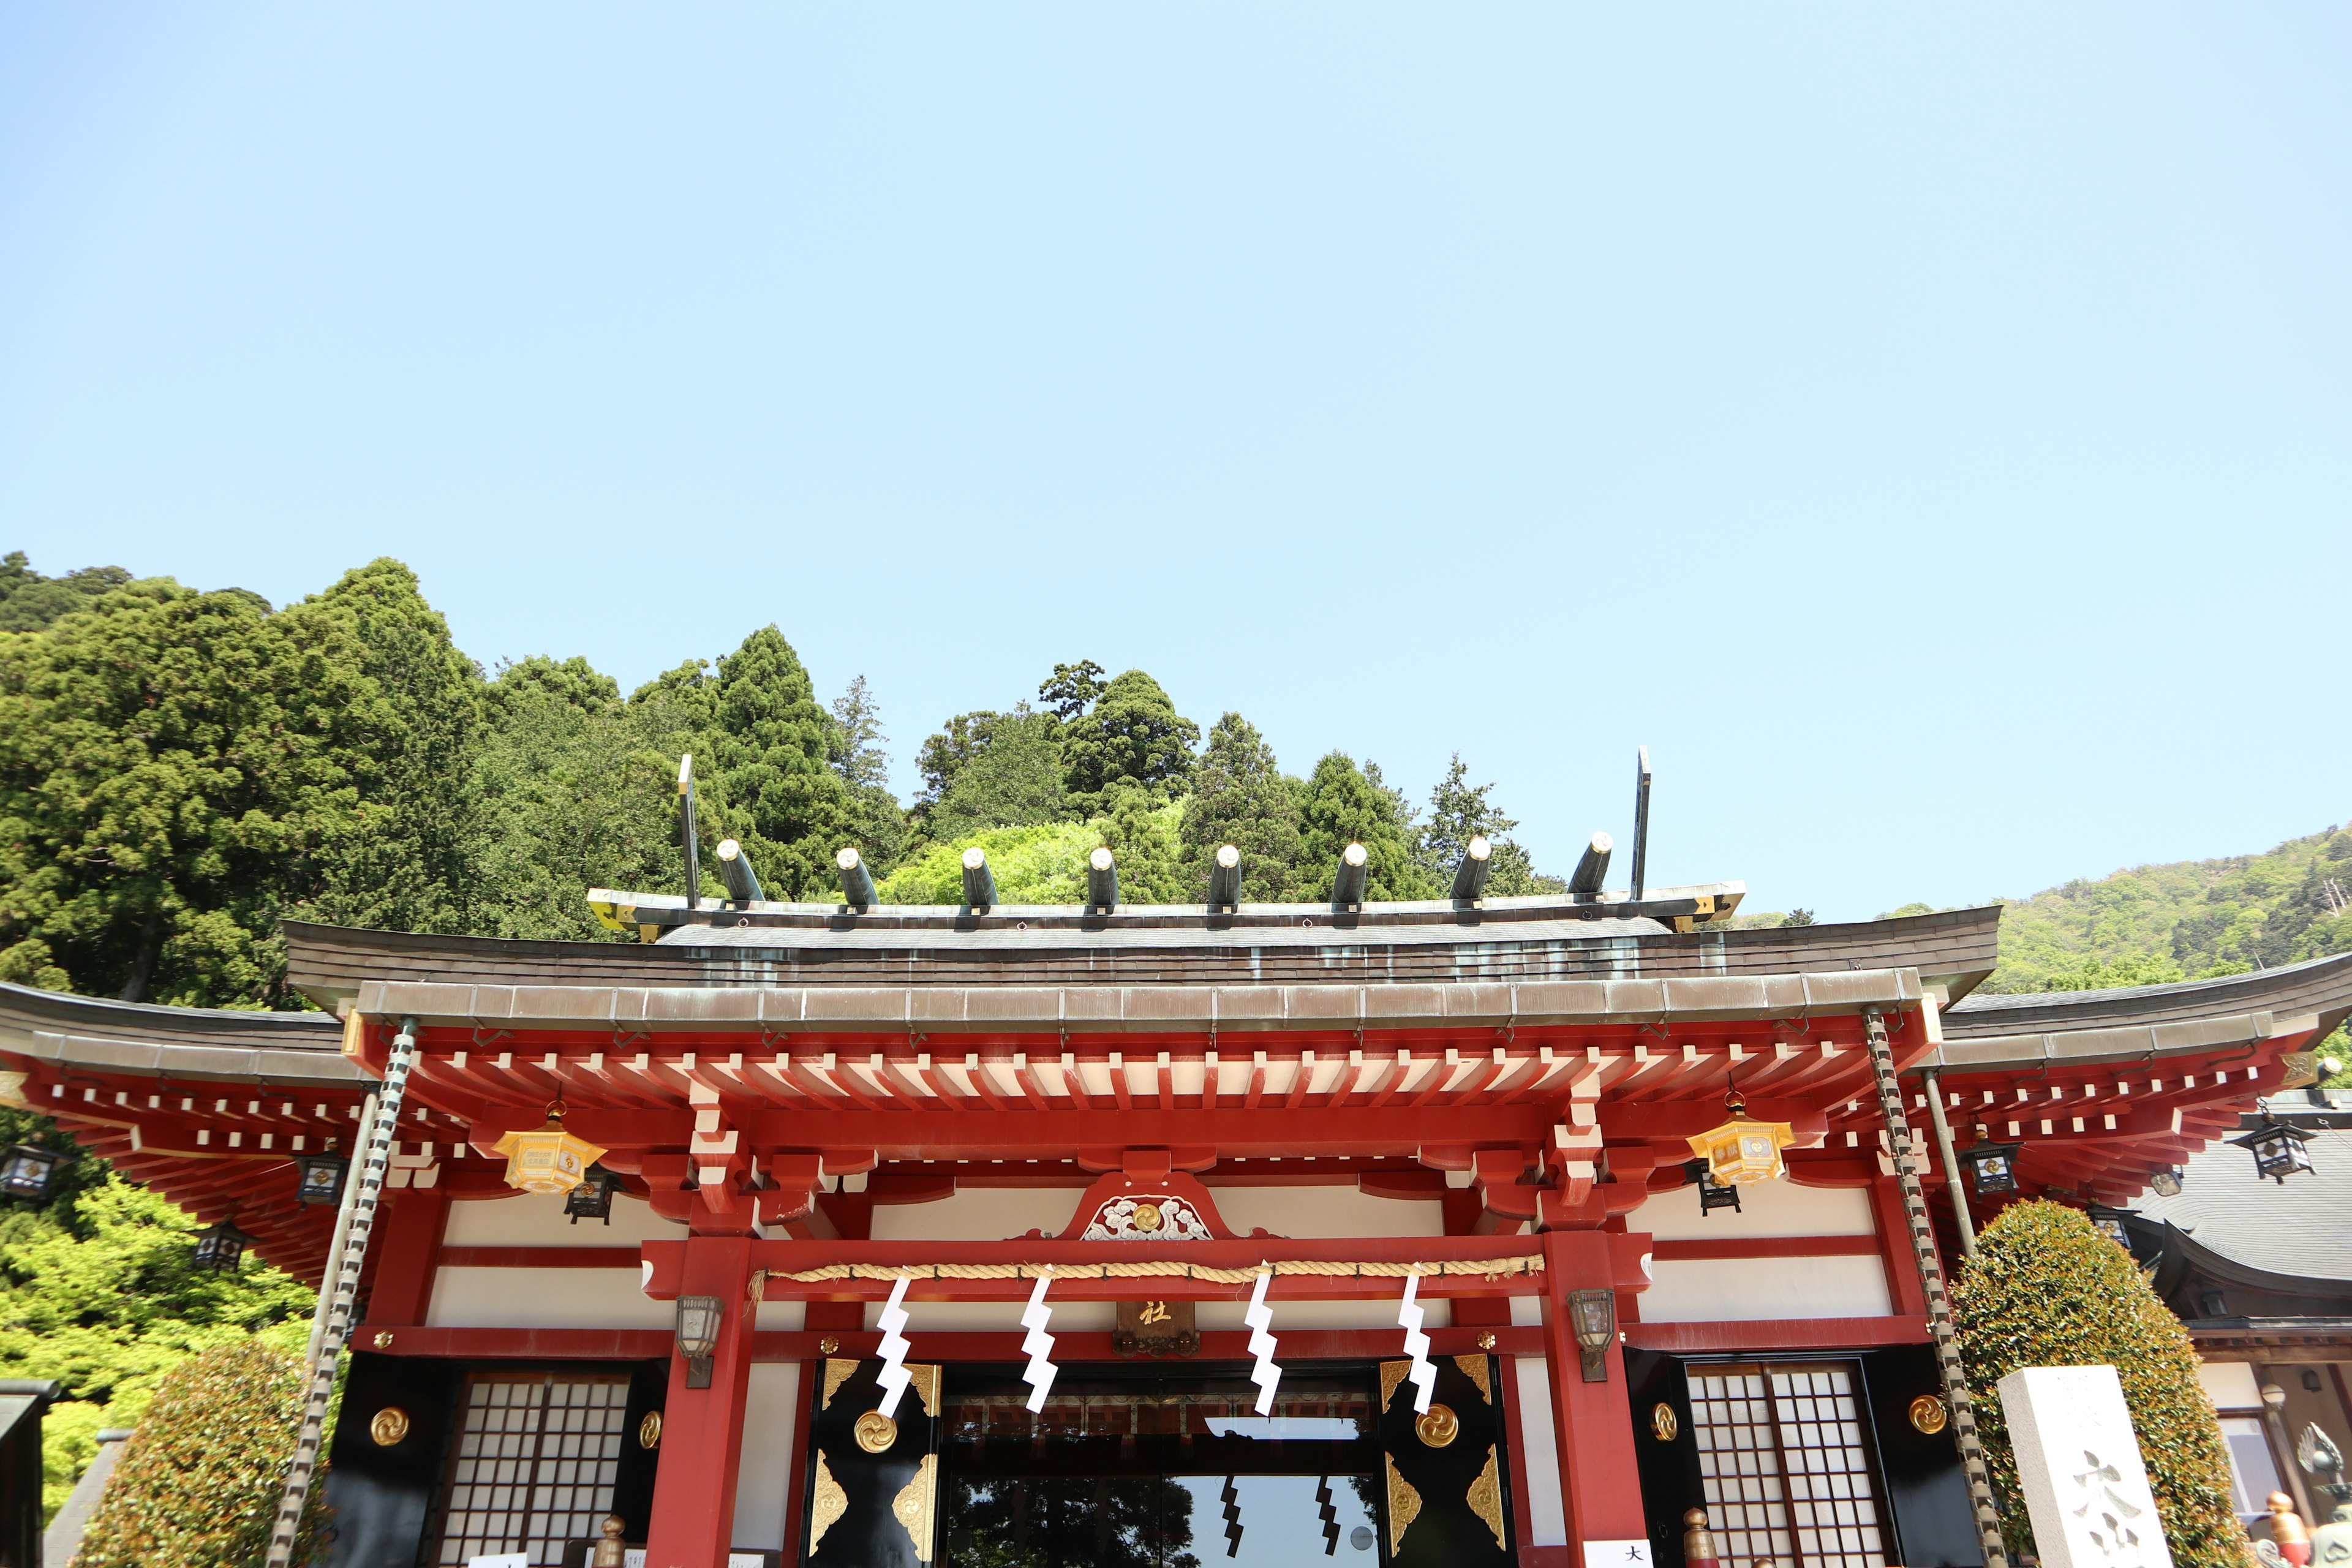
<point>1776,1335</point>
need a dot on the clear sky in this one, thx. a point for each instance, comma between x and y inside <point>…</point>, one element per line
<point>1926,429</point>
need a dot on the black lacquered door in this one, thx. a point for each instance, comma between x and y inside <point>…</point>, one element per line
<point>1445,1474</point>
<point>874,1479</point>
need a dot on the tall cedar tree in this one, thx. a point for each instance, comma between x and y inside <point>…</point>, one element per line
<point>2047,1288</point>
<point>1132,737</point>
<point>199,1480</point>
<point>1341,805</point>
<point>878,822</point>
<point>402,863</point>
<point>174,767</point>
<point>774,773</point>
<point>1240,797</point>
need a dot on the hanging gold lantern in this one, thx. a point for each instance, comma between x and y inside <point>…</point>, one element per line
<point>548,1160</point>
<point>1741,1152</point>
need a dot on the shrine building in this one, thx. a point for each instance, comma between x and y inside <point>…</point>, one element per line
<point>1466,1232</point>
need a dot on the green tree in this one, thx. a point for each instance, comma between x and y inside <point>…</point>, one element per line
<point>573,682</point>
<point>1071,689</point>
<point>878,822</point>
<point>29,601</point>
<point>576,790</point>
<point>174,768</point>
<point>1344,805</point>
<point>775,787</point>
<point>2047,1288</point>
<point>1241,797</point>
<point>1131,737</point>
<point>1012,779</point>
<point>1459,812</point>
<point>97,1291</point>
<point>402,860</point>
<point>1044,864</point>
<point>1141,831</point>
<point>199,1482</point>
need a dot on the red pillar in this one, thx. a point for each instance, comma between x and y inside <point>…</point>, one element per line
<point>406,1255</point>
<point>1599,1480</point>
<point>702,1428</point>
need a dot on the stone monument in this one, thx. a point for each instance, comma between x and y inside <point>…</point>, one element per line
<point>2079,1465</point>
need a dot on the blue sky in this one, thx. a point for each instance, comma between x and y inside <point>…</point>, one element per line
<point>1927,430</point>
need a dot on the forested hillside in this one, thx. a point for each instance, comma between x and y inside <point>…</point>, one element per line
<point>2154,924</point>
<point>180,771</point>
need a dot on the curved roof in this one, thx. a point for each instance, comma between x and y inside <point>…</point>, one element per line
<point>1390,945</point>
<point>179,1043</point>
<point>2146,1021</point>
<point>2287,1238</point>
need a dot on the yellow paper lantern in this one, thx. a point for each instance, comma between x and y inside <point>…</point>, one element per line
<point>548,1160</point>
<point>1741,1152</point>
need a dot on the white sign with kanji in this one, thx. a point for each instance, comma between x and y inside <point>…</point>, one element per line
<point>1617,1554</point>
<point>2078,1464</point>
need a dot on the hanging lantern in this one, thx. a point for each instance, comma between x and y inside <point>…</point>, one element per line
<point>2168,1183</point>
<point>1992,1167</point>
<point>221,1249</point>
<point>592,1198</point>
<point>1741,1152</point>
<point>322,1180</point>
<point>26,1171</point>
<point>2277,1149</point>
<point>2110,1223</point>
<point>548,1160</point>
<point>1712,1194</point>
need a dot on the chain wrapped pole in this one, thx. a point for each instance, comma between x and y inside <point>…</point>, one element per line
<point>1931,1281</point>
<point>327,1346</point>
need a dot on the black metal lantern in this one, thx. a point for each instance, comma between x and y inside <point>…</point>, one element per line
<point>26,1171</point>
<point>1592,1314</point>
<point>1992,1167</point>
<point>1712,1194</point>
<point>2110,1223</point>
<point>2277,1149</point>
<point>592,1198</point>
<point>322,1177</point>
<point>221,1248</point>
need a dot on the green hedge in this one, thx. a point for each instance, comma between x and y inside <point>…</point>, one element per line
<point>2047,1288</point>
<point>200,1479</point>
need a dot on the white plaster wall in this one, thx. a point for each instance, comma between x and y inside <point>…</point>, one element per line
<point>1547,1513</point>
<point>544,1299</point>
<point>1768,1208</point>
<point>1527,1312</point>
<point>1729,1289</point>
<point>1320,1211</point>
<point>979,1214</point>
<point>765,1472</point>
<point>536,1219</point>
<point>2230,1385</point>
<point>780,1317</point>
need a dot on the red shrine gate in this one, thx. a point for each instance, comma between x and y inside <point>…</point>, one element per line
<point>1157,1119</point>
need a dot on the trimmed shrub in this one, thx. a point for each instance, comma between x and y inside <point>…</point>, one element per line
<point>2047,1288</point>
<point>199,1482</point>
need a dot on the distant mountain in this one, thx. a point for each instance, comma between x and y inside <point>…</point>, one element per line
<point>2185,920</point>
